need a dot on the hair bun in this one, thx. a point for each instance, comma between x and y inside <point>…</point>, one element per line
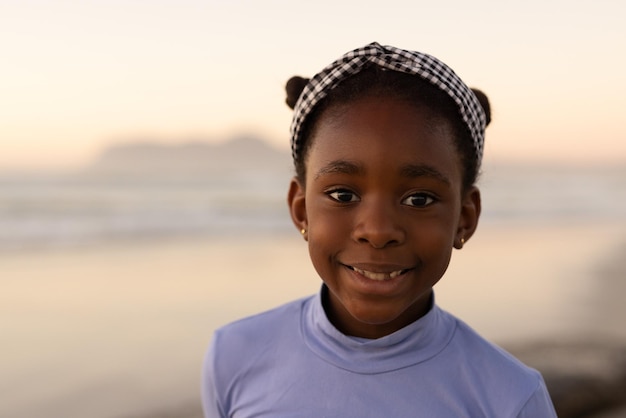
<point>294,88</point>
<point>484,103</point>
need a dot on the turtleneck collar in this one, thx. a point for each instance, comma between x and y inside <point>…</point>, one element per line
<point>415,343</point>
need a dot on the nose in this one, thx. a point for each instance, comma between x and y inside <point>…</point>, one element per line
<point>378,224</point>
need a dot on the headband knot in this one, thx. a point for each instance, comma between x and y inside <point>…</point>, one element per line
<point>391,58</point>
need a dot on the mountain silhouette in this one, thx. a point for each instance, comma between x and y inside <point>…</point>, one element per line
<point>243,155</point>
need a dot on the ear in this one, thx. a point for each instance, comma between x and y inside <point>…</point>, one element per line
<point>468,221</point>
<point>297,206</point>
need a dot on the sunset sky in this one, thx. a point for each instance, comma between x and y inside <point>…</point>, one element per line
<point>79,75</point>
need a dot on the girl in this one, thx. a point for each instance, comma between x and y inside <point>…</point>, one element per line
<point>387,144</point>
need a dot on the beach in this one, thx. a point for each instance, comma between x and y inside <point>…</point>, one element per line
<point>120,330</point>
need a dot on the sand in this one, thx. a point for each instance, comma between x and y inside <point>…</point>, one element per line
<point>119,331</point>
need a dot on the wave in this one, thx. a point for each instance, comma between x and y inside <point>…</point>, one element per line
<point>74,211</point>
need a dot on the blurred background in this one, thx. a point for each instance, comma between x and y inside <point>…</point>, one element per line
<point>144,165</point>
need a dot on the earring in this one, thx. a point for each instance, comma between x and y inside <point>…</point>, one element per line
<point>303,231</point>
<point>462,241</point>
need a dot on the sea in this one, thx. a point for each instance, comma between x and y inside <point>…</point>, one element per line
<point>51,211</point>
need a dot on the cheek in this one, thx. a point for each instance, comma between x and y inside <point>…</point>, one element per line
<point>434,238</point>
<point>328,233</point>
<point>328,230</point>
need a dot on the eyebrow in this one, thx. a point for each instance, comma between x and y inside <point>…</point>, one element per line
<point>341,167</point>
<point>407,170</point>
<point>423,170</point>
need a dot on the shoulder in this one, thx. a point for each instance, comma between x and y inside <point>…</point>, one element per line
<point>247,349</point>
<point>245,338</point>
<point>487,354</point>
<point>263,326</point>
<point>500,375</point>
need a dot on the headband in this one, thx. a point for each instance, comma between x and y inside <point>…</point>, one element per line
<point>388,57</point>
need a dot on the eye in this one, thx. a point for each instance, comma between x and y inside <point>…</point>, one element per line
<point>418,200</point>
<point>343,195</point>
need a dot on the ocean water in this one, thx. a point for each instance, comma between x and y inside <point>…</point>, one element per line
<point>68,211</point>
<point>56,211</point>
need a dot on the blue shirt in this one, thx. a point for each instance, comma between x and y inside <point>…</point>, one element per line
<point>292,362</point>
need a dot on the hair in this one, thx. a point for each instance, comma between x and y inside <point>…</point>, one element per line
<point>374,80</point>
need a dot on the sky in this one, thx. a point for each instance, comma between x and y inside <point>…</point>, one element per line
<point>78,76</point>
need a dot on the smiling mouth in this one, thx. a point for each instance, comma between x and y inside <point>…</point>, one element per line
<point>379,276</point>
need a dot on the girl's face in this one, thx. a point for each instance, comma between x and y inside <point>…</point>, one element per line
<point>382,207</point>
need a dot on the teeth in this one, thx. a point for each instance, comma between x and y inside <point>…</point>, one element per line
<point>378,276</point>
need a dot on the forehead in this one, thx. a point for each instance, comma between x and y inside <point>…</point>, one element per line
<point>384,134</point>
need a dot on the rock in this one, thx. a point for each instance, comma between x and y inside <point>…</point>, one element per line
<point>583,378</point>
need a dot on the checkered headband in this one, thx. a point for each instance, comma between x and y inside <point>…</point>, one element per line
<point>411,62</point>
